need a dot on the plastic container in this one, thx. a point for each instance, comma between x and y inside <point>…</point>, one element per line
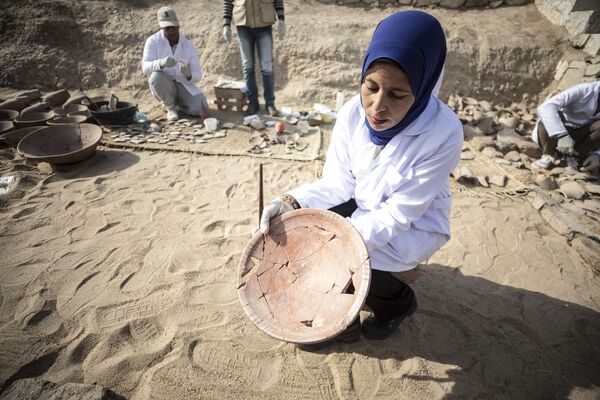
<point>211,124</point>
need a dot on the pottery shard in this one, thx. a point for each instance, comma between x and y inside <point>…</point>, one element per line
<point>509,136</point>
<point>513,156</point>
<point>483,181</point>
<point>486,125</point>
<point>592,188</point>
<point>467,155</point>
<point>530,149</point>
<point>57,98</point>
<point>546,182</point>
<point>572,190</point>
<point>498,180</point>
<point>471,132</point>
<point>507,121</point>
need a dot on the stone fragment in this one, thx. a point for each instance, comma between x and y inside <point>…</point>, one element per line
<point>572,190</point>
<point>498,180</point>
<point>545,182</point>
<point>491,152</point>
<point>513,156</point>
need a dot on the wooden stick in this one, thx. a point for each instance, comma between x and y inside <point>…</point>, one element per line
<point>260,192</point>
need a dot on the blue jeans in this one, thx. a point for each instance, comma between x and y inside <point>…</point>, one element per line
<point>260,39</point>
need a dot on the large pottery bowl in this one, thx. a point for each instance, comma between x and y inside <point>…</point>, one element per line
<point>8,115</point>
<point>12,138</point>
<point>123,115</point>
<point>61,144</point>
<point>33,119</point>
<point>6,126</point>
<point>79,119</point>
<point>307,279</point>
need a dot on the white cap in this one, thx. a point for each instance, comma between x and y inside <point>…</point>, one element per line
<point>167,17</point>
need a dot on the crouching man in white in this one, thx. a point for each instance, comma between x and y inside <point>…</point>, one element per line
<point>569,124</point>
<point>173,65</point>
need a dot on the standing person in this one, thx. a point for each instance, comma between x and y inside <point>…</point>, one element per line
<point>388,165</point>
<point>172,64</point>
<point>254,21</point>
<point>569,123</point>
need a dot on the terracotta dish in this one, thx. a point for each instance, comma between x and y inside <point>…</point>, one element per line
<point>16,104</point>
<point>307,279</point>
<point>63,111</point>
<point>56,98</point>
<point>8,115</point>
<point>123,115</point>
<point>67,120</point>
<point>12,138</point>
<point>31,95</point>
<point>36,108</point>
<point>61,144</point>
<point>33,119</point>
<point>6,126</point>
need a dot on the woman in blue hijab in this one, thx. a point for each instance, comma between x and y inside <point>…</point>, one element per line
<point>388,165</point>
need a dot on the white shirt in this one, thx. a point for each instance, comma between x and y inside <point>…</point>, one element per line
<point>157,47</point>
<point>577,104</point>
<point>402,190</point>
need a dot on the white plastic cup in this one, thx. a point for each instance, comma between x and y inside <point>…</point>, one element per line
<point>211,124</point>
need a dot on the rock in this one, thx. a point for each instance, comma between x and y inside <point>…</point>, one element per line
<point>572,190</point>
<point>498,180</point>
<point>589,250</point>
<point>480,142</point>
<point>40,389</point>
<point>546,182</point>
<point>491,152</point>
<point>513,156</point>
<point>467,155</point>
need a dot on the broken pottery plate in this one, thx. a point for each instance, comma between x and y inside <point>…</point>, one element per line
<point>307,279</point>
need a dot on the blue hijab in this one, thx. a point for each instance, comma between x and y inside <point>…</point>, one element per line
<point>415,42</point>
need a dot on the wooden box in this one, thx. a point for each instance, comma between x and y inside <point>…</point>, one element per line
<point>228,98</point>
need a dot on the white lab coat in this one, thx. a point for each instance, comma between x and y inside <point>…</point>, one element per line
<point>403,194</point>
<point>577,104</point>
<point>157,47</point>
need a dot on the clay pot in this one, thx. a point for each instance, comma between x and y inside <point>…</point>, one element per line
<point>56,98</point>
<point>64,110</point>
<point>75,100</point>
<point>123,115</point>
<point>8,115</point>
<point>6,126</point>
<point>85,114</point>
<point>78,119</point>
<point>32,95</point>
<point>12,138</point>
<point>294,282</point>
<point>61,144</point>
<point>17,104</point>
<point>36,108</point>
<point>33,119</point>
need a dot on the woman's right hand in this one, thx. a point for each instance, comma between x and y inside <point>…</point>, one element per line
<point>276,207</point>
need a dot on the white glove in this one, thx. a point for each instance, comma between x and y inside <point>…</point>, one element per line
<point>185,71</point>
<point>275,208</point>
<point>566,145</point>
<point>227,33</point>
<point>281,29</point>
<point>167,62</point>
<point>591,162</point>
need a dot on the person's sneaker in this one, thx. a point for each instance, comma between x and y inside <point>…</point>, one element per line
<point>273,112</point>
<point>252,108</point>
<point>373,329</point>
<point>172,115</point>
<point>350,335</point>
<point>544,162</point>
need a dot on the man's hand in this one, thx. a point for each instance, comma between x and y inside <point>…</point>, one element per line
<point>591,162</point>
<point>275,208</point>
<point>227,33</point>
<point>281,29</point>
<point>167,62</point>
<point>185,71</point>
<point>566,145</point>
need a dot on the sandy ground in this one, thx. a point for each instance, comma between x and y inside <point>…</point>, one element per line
<point>121,270</point>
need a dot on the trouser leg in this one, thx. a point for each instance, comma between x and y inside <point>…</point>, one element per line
<point>163,88</point>
<point>247,42</point>
<point>264,46</point>
<point>191,105</point>
<point>546,142</point>
<point>587,139</point>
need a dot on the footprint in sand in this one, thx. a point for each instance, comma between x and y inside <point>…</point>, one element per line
<point>218,293</point>
<point>229,362</point>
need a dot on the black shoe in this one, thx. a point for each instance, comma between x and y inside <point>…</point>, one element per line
<point>252,108</point>
<point>272,111</point>
<point>373,329</point>
<point>350,335</point>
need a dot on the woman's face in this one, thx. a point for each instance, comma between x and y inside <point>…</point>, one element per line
<point>386,95</point>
